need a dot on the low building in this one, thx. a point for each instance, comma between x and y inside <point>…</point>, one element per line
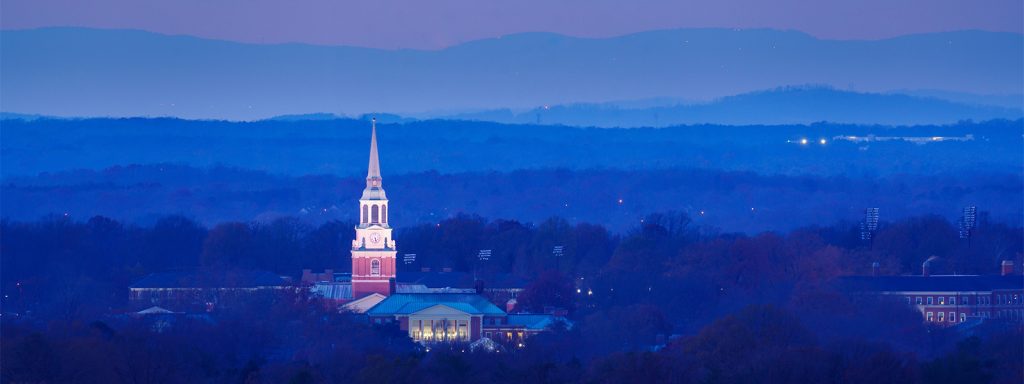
<point>336,287</point>
<point>948,300</point>
<point>202,290</point>
<point>457,317</point>
<point>521,326</point>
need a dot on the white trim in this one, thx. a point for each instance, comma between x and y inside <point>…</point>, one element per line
<point>365,253</point>
<point>934,293</point>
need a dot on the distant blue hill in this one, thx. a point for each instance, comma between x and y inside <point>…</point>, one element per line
<point>795,105</point>
<point>88,72</point>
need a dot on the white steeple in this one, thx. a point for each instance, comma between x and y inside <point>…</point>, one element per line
<point>374,188</point>
<point>373,249</point>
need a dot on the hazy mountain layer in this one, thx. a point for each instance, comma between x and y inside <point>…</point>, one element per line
<point>85,72</point>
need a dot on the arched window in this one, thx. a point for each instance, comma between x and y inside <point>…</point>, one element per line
<point>365,213</point>
<point>375,267</point>
<point>384,213</point>
<point>375,214</point>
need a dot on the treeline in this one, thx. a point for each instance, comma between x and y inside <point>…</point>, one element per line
<point>666,259</point>
<point>339,147</point>
<point>668,301</point>
<point>615,198</point>
<point>292,340</point>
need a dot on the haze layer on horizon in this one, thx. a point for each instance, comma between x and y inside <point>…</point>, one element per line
<point>438,24</point>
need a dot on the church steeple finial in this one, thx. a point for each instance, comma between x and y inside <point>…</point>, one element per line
<point>373,178</point>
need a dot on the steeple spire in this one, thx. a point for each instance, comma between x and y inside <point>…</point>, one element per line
<point>373,178</point>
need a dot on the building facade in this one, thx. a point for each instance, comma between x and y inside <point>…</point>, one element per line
<point>458,318</point>
<point>950,300</point>
<point>203,290</point>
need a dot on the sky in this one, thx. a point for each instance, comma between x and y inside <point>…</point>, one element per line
<point>436,24</point>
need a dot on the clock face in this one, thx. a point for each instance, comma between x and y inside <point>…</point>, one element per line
<point>375,238</point>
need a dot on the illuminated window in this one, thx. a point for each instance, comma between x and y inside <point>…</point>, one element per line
<point>452,331</point>
<point>428,330</point>
<point>375,267</point>
<point>963,317</point>
<point>942,316</point>
<point>416,330</point>
<point>928,316</point>
<point>463,330</point>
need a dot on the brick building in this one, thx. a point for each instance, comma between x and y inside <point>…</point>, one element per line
<point>948,300</point>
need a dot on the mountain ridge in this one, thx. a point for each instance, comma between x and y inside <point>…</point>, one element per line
<point>87,72</point>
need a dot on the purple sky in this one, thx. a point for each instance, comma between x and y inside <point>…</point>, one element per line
<point>432,24</point>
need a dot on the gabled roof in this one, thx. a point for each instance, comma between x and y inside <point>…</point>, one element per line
<point>408,303</point>
<point>437,279</point>
<point>154,310</point>
<point>365,303</point>
<point>941,283</point>
<point>531,321</point>
<point>459,280</point>
<point>420,288</point>
<point>209,279</point>
<point>414,308</point>
<point>333,291</point>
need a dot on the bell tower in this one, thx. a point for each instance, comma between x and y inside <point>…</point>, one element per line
<point>373,250</point>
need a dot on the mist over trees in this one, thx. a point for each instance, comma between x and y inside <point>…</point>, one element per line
<point>616,199</point>
<point>338,147</point>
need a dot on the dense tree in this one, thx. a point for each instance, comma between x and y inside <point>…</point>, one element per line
<point>229,244</point>
<point>743,308</point>
<point>550,289</point>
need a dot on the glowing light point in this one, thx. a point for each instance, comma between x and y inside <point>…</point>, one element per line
<point>803,141</point>
<point>822,141</point>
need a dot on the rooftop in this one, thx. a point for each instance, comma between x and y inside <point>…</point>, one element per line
<point>332,290</point>
<point>459,280</point>
<point>934,283</point>
<point>532,321</point>
<point>209,279</point>
<point>407,303</point>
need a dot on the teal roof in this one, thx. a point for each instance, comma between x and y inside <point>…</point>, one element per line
<point>534,321</point>
<point>408,303</point>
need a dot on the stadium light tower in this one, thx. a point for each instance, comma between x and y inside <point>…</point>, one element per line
<point>869,225</point>
<point>968,221</point>
<point>558,251</point>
